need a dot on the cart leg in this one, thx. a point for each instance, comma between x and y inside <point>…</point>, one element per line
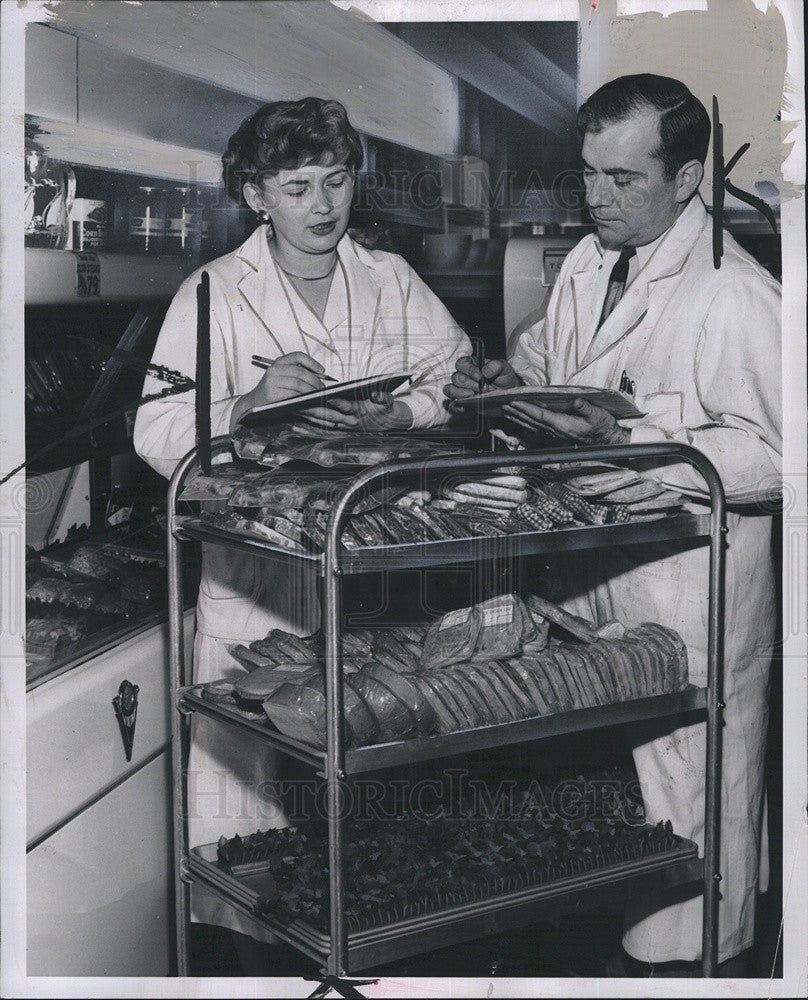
<point>712,791</point>
<point>335,761</point>
<point>179,747</point>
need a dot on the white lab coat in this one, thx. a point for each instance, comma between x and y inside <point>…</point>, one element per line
<point>703,347</point>
<point>380,317</point>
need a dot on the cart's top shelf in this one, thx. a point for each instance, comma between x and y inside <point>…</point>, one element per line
<point>371,758</point>
<point>434,553</point>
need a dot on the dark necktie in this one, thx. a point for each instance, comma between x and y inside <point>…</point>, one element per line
<point>617,282</point>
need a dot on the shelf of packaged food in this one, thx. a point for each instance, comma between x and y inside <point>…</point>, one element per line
<point>371,758</point>
<point>457,550</point>
<point>462,922</point>
<point>52,276</point>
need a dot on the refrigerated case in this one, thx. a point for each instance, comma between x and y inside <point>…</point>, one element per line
<point>98,865</point>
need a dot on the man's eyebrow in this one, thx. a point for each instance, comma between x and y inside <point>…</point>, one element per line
<point>614,171</point>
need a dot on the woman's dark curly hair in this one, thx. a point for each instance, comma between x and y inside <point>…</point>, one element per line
<point>285,135</point>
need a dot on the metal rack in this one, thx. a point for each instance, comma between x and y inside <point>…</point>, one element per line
<point>343,952</point>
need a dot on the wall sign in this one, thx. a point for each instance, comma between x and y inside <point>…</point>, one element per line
<point>551,265</point>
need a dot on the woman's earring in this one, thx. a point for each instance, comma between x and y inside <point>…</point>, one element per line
<point>270,230</point>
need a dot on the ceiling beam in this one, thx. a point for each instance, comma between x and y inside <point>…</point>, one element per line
<point>281,50</point>
<point>506,42</point>
<point>460,53</point>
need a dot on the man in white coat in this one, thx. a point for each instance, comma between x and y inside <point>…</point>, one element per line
<point>640,304</point>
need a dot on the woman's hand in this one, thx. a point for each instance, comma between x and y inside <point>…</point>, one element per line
<point>379,413</point>
<point>291,375</point>
<point>469,380</point>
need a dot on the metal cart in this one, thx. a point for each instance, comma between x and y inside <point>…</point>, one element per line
<point>343,952</point>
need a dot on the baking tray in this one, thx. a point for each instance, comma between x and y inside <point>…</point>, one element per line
<point>476,918</point>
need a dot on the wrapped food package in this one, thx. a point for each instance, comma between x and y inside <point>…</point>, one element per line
<point>371,449</point>
<point>53,566</point>
<point>505,626</point>
<point>446,714</point>
<point>248,443</point>
<point>278,491</point>
<point>223,479</point>
<point>387,646</point>
<point>259,684</point>
<point>363,729</point>
<point>298,711</point>
<point>451,638</point>
<point>579,627</point>
<point>406,691</point>
<point>393,716</point>
<point>595,481</point>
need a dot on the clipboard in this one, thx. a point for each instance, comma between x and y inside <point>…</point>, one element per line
<point>357,389</point>
<point>619,404</point>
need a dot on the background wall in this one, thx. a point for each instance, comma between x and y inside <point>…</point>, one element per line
<point>730,49</point>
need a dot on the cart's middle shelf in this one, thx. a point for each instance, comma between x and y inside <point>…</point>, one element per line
<point>456,550</point>
<point>371,758</point>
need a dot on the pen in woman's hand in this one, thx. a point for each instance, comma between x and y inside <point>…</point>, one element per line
<point>479,361</point>
<point>261,362</point>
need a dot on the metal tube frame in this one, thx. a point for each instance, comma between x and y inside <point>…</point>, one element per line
<point>332,611</point>
<point>180,726</point>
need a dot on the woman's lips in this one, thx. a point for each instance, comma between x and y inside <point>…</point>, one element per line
<point>323,228</point>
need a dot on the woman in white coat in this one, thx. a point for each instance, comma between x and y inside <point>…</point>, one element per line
<point>301,291</point>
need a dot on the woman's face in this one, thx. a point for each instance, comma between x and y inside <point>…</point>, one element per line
<point>309,207</point>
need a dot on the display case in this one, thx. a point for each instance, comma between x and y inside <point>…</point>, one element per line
<point>96,628</point>
<point>95,520</point>
<point>347,947</point>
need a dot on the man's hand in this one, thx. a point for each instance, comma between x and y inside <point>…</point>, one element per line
<point>579,421</point>
<point>469,380</point>
<point>379,413</point>
<point>291,375</point>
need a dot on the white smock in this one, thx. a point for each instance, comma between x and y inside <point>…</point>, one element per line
<point>380,317</point>
<point>703,348</point>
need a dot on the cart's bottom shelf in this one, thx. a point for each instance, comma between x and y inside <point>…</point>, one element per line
<point>502,905</point>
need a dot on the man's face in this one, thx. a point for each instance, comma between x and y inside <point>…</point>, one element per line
<point>628,197</point>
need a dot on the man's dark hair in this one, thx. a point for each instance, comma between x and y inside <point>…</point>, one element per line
<point>285,135</point>
<point>684,125</point>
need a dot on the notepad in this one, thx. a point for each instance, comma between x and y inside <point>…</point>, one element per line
<point>357,389</point>
<point>554,397</point>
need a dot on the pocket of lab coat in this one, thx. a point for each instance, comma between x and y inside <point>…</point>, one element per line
<point>662,409</point>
